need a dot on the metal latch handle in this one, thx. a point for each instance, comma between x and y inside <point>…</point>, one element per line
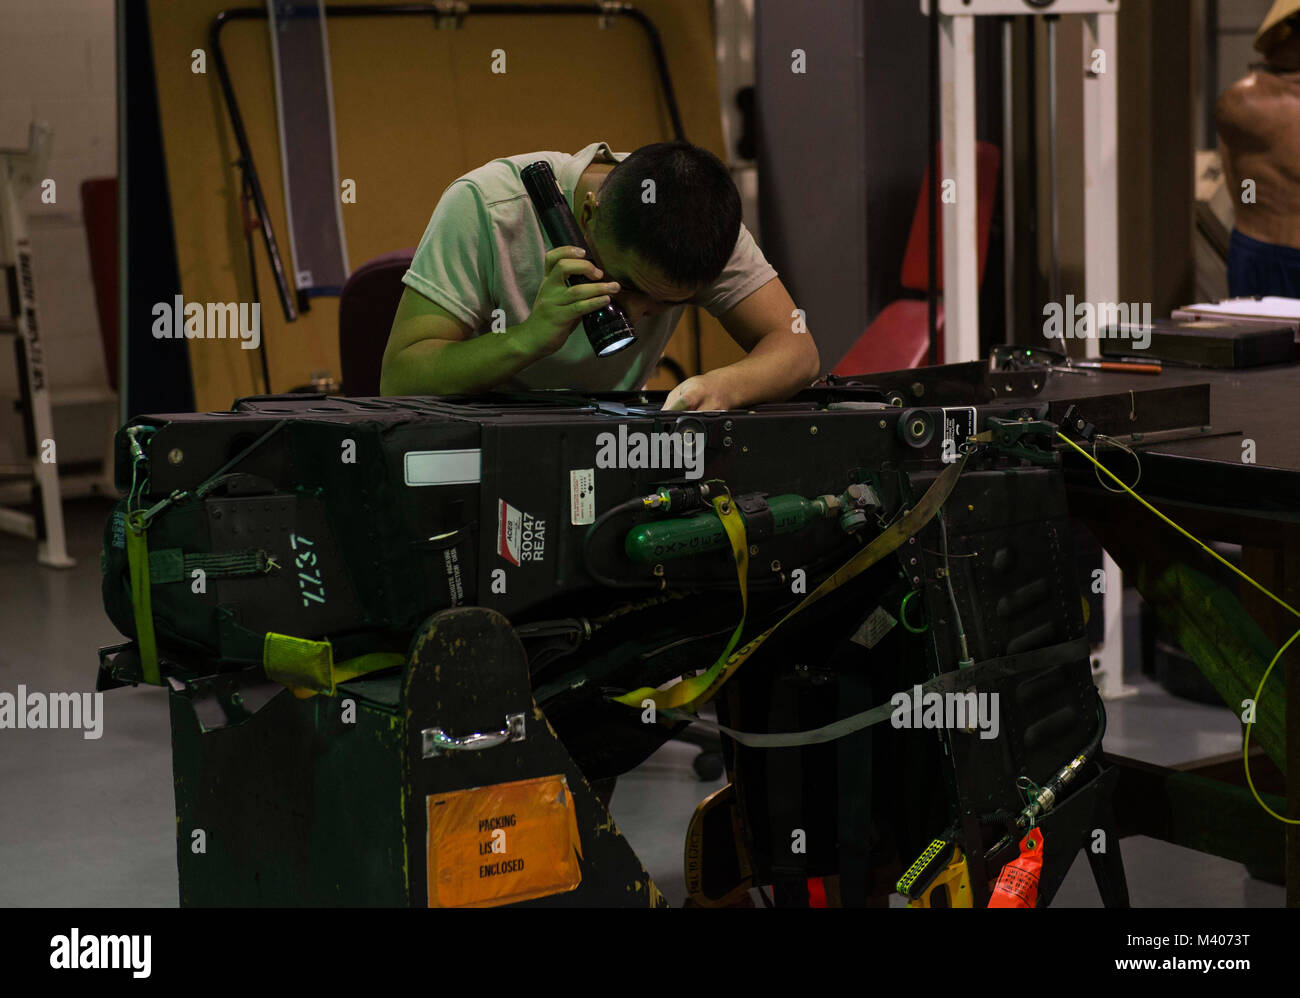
<point>435,741</point>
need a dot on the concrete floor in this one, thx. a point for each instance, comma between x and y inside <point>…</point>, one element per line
<point>88,823</point>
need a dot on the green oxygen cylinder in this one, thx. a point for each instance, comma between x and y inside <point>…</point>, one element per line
<point>701,533</point>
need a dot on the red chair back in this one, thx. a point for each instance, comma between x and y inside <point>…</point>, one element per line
<point>899,337</point>
<point>99,209</point>
<point>916,270</point>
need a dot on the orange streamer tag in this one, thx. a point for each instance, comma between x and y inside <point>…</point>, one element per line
<point>509,842</point>
<point>1017,885</point>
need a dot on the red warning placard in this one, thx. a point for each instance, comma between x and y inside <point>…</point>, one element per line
<point>1017,885</point>
<point>496,845</point>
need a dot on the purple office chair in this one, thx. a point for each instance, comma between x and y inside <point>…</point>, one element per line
<point>367,305</point>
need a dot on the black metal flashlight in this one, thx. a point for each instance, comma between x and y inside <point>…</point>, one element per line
<point>607,329</point>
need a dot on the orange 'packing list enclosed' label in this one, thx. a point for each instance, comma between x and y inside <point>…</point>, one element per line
<point>509,842</point>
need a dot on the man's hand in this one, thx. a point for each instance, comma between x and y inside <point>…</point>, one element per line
<point>701,393</point>
<point>558,308</point>
<point>781,356</point>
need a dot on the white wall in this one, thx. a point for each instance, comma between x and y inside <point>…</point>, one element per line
<point>1238,22</point>
<point>734,25</point>
<point>57,64</point>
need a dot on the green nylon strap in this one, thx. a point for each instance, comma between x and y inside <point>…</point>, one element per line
<point>308,667</point>
<point>175,565</point>
<point>137,554</point>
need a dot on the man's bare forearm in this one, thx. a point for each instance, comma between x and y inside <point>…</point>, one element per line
<point>452,367</point>
<point>780,365</point>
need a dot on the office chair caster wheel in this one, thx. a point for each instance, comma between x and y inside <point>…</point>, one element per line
<point>708,766</point>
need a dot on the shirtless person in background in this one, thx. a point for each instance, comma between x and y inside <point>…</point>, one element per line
<point>1258,119</point>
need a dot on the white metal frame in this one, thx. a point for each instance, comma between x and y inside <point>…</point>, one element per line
<point>1101,282</point>
<point>1101,228</point>
<point>961,291</point>
<point>19,171</point>
<point>1100,170</point>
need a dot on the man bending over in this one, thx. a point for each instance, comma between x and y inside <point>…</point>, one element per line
<point>486,305</point>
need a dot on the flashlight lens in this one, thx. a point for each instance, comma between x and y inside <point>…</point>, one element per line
<point>609,332</point>
<point>615,346</point>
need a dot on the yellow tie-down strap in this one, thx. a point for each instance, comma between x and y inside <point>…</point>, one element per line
<point>690,694</point>
<point>308,668</point>
<point>688,691</point>
<point>137,555</point>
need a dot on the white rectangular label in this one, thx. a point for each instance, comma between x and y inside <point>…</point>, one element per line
<point>958,424</point>
<point>442,467</point>
<point>582,496</point>
<point>875,627</point>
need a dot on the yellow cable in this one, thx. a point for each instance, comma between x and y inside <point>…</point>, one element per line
<point>1245,747</point>
<point>1245,750</point>
<point>1205,547</point>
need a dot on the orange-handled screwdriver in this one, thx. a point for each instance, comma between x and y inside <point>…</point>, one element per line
<point>1121,366</point>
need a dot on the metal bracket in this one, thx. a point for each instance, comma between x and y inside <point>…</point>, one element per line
<point>609,9</point>
<point>228,699</point>
<point>283,11</point>
<point>449,14</point>
<point>1075,422</point>
<point>1009,435</point>
<point>435,742</point>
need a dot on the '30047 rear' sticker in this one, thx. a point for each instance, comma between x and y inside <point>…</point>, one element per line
<point>521,536</point>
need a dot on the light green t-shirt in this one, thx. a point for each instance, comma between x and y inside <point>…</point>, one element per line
<point>484,248</point>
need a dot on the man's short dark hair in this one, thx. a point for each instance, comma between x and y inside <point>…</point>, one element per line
<point>689,229</point>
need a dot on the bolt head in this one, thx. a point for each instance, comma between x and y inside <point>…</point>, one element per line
<point>175,455</point>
